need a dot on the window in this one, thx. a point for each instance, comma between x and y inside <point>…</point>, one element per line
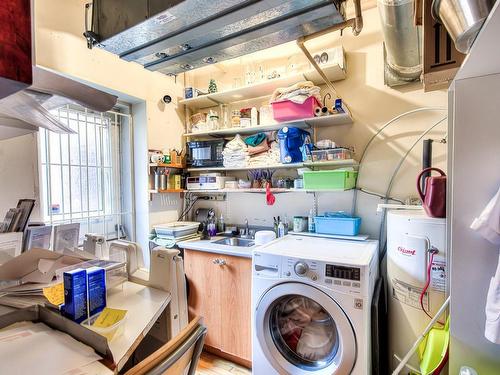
<point>83,175</point>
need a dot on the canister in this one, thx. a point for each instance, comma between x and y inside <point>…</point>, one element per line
<point>163,182</point>
<point>299,223</point>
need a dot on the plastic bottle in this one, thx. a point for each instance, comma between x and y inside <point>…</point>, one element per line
<point>311,226</point>
<point>285,223</point>
<point>281,229</point>
<point>221,225</point>
<point>254,116</point>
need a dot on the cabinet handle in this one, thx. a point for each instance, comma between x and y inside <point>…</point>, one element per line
<point>219,262</point>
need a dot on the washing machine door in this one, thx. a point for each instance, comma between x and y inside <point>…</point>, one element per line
<point>302,330</point>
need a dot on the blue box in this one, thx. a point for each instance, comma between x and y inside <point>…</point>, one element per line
<point>96,286</point>
<point>342,226</point>
<point>75,295</point>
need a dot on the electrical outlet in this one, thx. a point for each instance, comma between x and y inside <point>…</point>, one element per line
<point>217,197</point>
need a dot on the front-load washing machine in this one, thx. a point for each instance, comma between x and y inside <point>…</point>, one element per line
<point>311,302</point>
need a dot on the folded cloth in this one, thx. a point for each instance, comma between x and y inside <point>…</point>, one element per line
<point>255,139</point>
<point>262,147</point>
<point>297,93</point>
<point>271,157</point>
<point>235,154</point>
<point>488,225</point>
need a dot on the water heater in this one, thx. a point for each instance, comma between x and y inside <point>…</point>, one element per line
<point>410,236</point>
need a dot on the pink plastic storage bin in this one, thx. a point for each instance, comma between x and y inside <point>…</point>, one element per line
<point>288,110</point>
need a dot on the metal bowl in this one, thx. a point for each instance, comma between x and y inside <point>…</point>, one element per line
<point>462,18</point>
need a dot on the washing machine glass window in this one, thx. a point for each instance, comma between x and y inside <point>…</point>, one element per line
<point>304,333</point>
<point>302,330</point>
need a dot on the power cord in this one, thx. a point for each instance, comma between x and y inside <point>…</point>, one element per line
<point>433,251</point>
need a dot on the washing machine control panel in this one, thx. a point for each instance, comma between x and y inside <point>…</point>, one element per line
<point>335,276</point>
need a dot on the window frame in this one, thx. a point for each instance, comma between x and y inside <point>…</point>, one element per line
<point>103,216</point>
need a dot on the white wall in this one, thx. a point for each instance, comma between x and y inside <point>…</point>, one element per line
<point>372,104</point>
<point>18,172</point>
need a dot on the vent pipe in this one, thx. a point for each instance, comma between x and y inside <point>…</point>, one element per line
<point>402,39</point>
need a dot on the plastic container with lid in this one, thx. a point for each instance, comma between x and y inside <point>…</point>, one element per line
<point>330,180</point>
<point>331,154</point>
<point>337,223</point>
<point>287,110</point>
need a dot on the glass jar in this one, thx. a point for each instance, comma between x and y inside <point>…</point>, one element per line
<point>235,119</point>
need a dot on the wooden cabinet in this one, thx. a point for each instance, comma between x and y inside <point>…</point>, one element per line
<point>15,46</point>
<point>220,292</point>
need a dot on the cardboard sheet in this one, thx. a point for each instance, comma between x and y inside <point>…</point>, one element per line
<point>38,265</point>
<point>50,351</point>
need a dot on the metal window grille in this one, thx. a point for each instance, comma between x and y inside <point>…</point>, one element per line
<point>81,173</point>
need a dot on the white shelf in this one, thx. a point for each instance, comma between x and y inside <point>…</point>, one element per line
<point>202,101</point>
<point>252,129</point>
<point>276,166</point>
<point>333,163</point>
<point>334,73</point>
<point>262,190</point>
<point>312,122</point>
<point>359,237</point>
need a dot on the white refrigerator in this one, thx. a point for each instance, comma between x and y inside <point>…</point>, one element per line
<point>474,178</point>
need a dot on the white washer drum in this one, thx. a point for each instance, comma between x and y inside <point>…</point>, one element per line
<point>302,330</point>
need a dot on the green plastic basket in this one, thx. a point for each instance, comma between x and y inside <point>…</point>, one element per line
<point>330,180</point>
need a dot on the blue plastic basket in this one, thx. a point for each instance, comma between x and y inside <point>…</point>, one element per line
<point>339,225</point>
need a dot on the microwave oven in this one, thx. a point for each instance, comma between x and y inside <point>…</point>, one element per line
<point>205,153</point>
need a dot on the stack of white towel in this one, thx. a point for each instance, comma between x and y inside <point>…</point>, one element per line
<point>236,153</point>
<point>270,157</point>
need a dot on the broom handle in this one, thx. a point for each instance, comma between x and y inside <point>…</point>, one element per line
<point>414,348</point>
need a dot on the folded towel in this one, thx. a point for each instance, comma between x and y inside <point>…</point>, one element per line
<point>255,139</point>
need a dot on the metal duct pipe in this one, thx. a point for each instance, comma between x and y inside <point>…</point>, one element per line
<point>402,38</point>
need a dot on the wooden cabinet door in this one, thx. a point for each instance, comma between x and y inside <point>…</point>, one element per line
<point>15,46</point>
<point>236,306</point>
<point>204,292</point>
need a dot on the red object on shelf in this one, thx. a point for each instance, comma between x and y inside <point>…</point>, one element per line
<point>15,46</point>
<point>288,110</point>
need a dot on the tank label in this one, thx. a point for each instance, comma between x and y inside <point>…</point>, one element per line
<point>164,18</point>
<point>438,275</point>
<point>409,294</point>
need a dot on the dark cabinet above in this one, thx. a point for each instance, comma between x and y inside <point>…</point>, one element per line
<point>174,36</point>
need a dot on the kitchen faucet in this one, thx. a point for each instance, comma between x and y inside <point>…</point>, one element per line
<point>246,232</point>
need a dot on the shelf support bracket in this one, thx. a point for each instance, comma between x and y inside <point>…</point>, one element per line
<point>355,23</point>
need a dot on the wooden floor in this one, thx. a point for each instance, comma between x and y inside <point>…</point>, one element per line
<point>212,365</point>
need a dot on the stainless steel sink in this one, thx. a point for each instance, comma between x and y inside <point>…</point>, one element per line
<point>233,241</point>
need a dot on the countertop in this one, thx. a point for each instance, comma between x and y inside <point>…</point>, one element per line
<point>210,247</point>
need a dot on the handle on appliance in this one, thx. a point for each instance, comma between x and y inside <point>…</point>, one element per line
<point>265,268</point>
<point>421,174</point>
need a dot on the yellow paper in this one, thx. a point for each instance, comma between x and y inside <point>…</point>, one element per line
<point>108,317</point>
<point>54,294</point>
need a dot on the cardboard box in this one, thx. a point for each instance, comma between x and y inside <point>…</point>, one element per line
<point>96,287</point>
<point>75,295</point>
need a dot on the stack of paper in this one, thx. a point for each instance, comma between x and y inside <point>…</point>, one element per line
<point>34,348</point>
